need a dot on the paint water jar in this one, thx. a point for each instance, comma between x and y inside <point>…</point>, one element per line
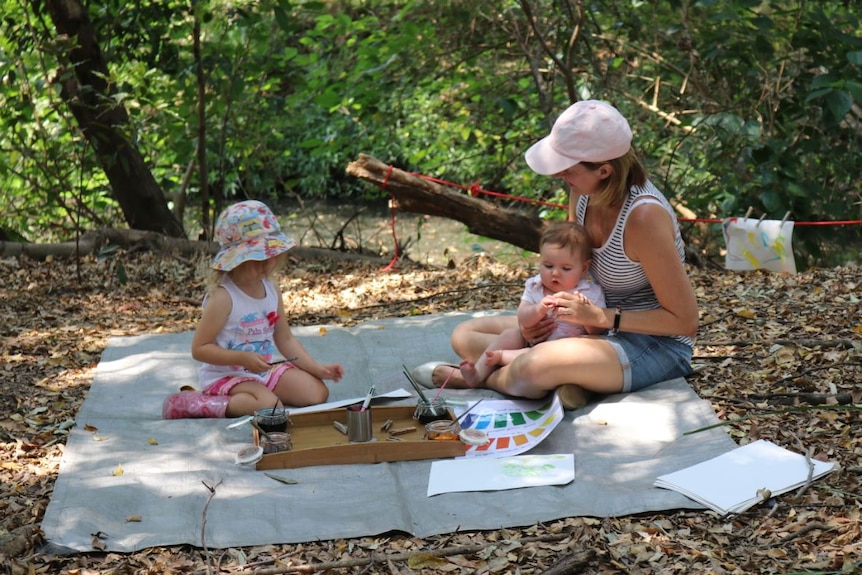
<point>272,419</point>
<point>442,430</point>
<point>431,410</point>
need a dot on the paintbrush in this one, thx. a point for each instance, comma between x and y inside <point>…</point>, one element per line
<point>259,429</point>
<point>414,384</point>
<point>368,398</point>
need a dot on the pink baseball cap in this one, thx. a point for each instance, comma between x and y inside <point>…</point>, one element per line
<point>248,231</point>
<point>588,131</point>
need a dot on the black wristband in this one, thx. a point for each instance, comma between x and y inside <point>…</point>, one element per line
<point>617,316</point>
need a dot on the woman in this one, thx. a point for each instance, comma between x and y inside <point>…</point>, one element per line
<point>638,259</point>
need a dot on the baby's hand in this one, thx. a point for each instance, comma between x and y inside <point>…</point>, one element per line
<point>332,371</point>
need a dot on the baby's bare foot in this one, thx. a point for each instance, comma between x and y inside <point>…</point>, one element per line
<point>493,357</point>
<point>470,374</point>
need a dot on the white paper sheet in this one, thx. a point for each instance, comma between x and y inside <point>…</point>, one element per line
<point>497,474</point>
<point>759,244</point>
<point>738,480</point>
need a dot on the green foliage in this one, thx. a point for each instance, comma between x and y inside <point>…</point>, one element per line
<point>734,104</point>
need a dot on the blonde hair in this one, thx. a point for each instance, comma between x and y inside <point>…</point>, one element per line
<point>568,235</point>
<point>216,277</point>
<point>627,172</point>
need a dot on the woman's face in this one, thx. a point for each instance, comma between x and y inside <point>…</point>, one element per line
<point>582,180</point>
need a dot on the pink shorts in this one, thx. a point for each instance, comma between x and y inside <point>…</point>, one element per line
<point>224,385</point>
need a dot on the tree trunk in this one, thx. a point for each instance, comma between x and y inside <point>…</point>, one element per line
<point>105,123</point>
<point>420,195</point>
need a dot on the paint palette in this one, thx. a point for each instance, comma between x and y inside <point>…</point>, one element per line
<point>512,426</point>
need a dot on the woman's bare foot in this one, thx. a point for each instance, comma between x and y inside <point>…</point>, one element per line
<point>451,376</point>
<point>470,374</point>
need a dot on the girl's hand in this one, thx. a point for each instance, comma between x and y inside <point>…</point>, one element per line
<point>332,371</point>
<point>254,362</point>
<point>538,332</point>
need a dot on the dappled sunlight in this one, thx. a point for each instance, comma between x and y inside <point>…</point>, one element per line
<point>761,336</point>
<point>639,423</point>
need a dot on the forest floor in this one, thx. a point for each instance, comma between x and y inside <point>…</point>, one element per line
<point>779,357</point>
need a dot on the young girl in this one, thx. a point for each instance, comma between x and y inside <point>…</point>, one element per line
<point>243,325</point>
<point>564,258</point>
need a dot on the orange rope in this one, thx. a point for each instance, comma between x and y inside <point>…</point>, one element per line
<point>475,191</point>
<point>395,257</point>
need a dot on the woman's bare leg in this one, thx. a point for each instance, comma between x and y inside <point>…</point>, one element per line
<point>469,340</point>
<point>590,363</point>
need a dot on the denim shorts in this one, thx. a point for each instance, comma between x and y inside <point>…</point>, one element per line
<point>649,359</point>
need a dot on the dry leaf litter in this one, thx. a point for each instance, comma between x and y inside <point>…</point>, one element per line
<point>779,357</point>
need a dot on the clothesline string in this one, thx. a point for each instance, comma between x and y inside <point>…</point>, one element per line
<point>475,191</point>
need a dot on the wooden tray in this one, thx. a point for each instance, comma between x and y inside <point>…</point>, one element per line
<point>317,442</point>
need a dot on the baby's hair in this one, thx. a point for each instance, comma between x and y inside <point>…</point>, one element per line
<point>568,235</point>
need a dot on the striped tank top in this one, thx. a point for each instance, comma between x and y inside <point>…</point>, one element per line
<point>625,284</point>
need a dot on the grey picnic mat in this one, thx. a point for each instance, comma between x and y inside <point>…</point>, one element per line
<point>162,496</point>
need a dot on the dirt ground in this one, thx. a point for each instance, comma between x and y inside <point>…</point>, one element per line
<point>779,357</point>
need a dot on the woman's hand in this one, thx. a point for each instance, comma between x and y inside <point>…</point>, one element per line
<point>576,308</point>
<point>538,332</point>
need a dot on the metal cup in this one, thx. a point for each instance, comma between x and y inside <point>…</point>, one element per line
<point>358,423</point>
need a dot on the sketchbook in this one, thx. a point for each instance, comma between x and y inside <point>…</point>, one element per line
<point>739,479</point>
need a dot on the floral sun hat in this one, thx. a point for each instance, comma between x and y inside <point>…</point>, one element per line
<point>248,231</point>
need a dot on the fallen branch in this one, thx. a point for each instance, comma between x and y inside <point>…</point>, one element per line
<point>136,240</point>
<point>414,301</point>
<point>572,563</point>
<point>773,412</point>
<point>212,491</point>
<point>374,558</point>
<point>807,398</point>
<point>807,528</point>
<point>420,195</point>
<point>842,343</point>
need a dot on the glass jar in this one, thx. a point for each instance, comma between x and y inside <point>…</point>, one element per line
<point>431,410</point>
<point>272,419</point>
<point>275,441</point>
<point>443,430</point>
